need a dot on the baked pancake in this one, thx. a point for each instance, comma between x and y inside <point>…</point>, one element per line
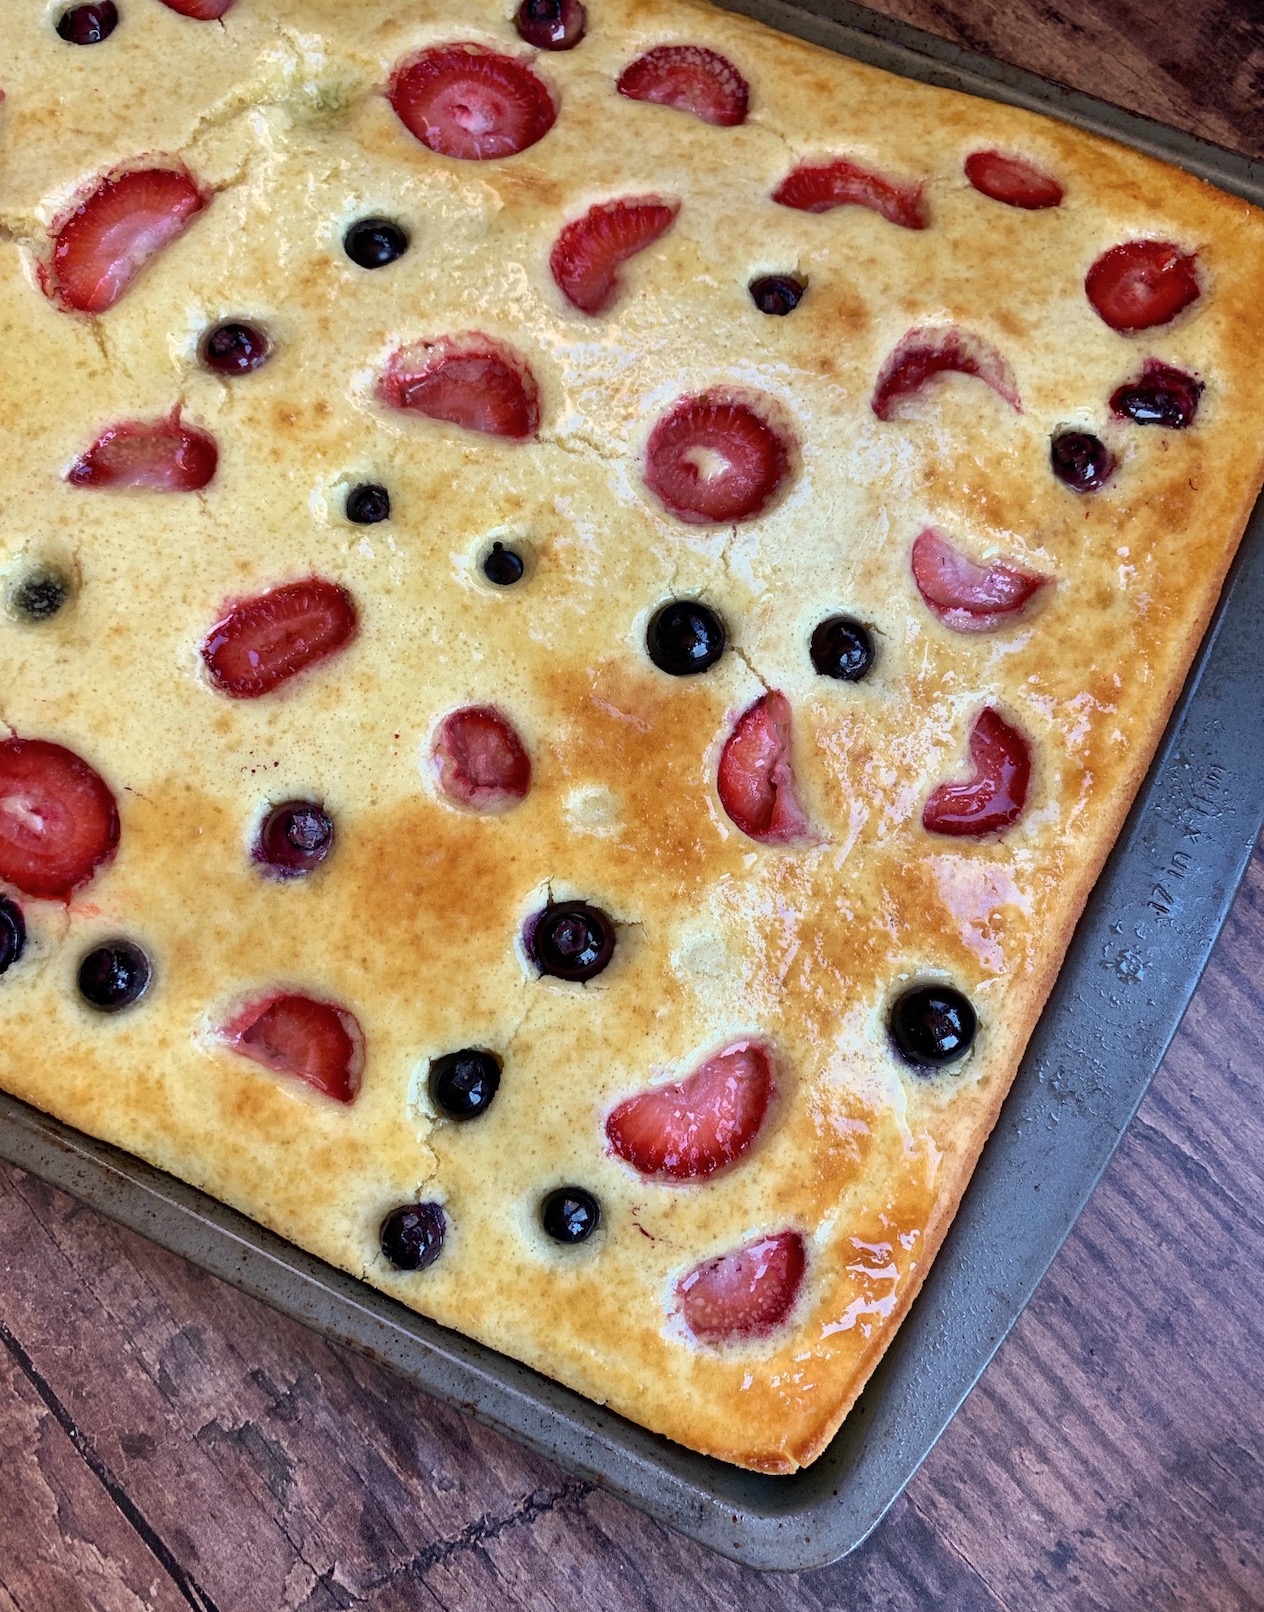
<point>585,594</point>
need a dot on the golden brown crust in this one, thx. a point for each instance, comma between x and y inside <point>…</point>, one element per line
<point>415,921</point>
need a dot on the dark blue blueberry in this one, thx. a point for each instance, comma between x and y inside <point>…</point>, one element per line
<point>571,941</point>
<point>412,1235</point>
<point>88,25</point>
<point>570,1214</point>
<point>368,504</point>
<point>294,838</point>
<point>235,349</point>
<point>39,596</point>
<point>114,976</point>
<point>372,243</point>
<point>504,566</point>
<point>932,1025</point>
<point>842,648</point>
<point>777,294</point>
<point>12,933</point>
<point>462,1084</point>
<point>685,637</point>
<point>1081,460</point>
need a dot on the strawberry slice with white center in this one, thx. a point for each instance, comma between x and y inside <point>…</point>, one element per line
<point>470,380</point>
<point>201,10</point>
<point>480,763</point>
<point>469,102</point>
<point>689,78</point>
<point>820,187</point>
<point>996,795</point>
<point>58,820</point>
<point>696,1126</point>
<point>586,259</point>
<point>1142,284</point>
<point>264,642</point>
<point>967,596</point>
<point>745,1294</point>
<point>1012,180</point>
<point>715,458</point>
<point>756,777</point>
<point>100,248</point>
<point>924,353</point>
<point>316,1042</point>
<point>159,456</point>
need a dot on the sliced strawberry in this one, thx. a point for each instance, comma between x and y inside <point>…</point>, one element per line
<point>689,78</point>
<point>263,642</point>
<point>479,760</point>
<point>691,1129</point>
<point>745,1294</point>
<point>923,353</point>
<point>756,778</point>
<point>820,187</point>
<point>161,456</point>
<point>58,820</point>
<point>966,596</point>
<point>586,258</point>
<point>1012,180</point>
<point>715,458</point>
<point>1142,283</point>
<point>470,381</point>
<point>316,1042</point>
<point>201,10</point>
<point>994,798</point>
<point>101,247</point>
<point>470,102</point>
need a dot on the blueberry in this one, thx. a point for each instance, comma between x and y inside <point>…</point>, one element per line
<point>294,838</point>
<point>1081,460</point>
<point>571,941</point>
<point>843,648</point>
<point>932,1025</point>
<point>114,976</point>
<point>12,933</point>
<point>368,504</point>
<point>40,595</point>
<point>235,349</point>
<point>503,566</point>
<point>551,24</point>
<point>777,294</point>
<point>372,243</point>
<point>88,25</point>
<point>412,1235</point>
<point>570,1215</point>
<point>1163,396</point>
<point>462,1084</point>
<point>685,637</point>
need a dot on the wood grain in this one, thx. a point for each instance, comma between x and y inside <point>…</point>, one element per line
<point>166,1443</point>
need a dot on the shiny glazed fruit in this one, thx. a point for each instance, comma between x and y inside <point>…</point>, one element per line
<point>689,78</point>
<point>40,596</point>
<point>924,353</point>
<point>235,349</point>
<point>468,102</point>
<point>1142,284</point>
<point>821,187</point>
<point>263,642</point>
<point>967,596</point>
<point>1163,396</point>
<point>294,838</point>
<point>412,1236</point>
<point>316,1042</point>
<point>153,456</point>
<point>114,976</point>
<point>463,1084</point>
<point>843,649</point>
<point>88,25</point>
<point>755,781</point>
<point>688,1130</point>
<point>685,637</point>
<point>503,566</point>
<point>104,243</point>
<point>1012,180</point>
<point>571,941</point>
<point>368,504</point>
<point>777,294</point>
<point>747,1293</point>
<point>12,933</point>
<point>58,820</point>
<point>200,10</point>
<point>551,24</point>
<point>570,1215</point>
<point>372,243</point>
<point>994,798</point>
<point>1081,461</point>
<point>471,381</point>
<point>932,1025</point>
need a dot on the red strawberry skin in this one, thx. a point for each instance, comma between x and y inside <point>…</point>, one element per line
<point>263,642</point>
<point>472,381</point>
<point>1142,284</point>
<point>1012,180</point>
<point>586,258</point>
<point>468,102</point>
<point>967,596</point>
<point>745,1294</point>
<point>101,246</point>
<point>756,781</point>
<point>696,1126</point>
<point>201,10</point>
<point>163,456</point>
<point>58,819</point>
<point>995,797</point>
<point>312,1041</point>
<point>714,459</point>
<point>689,78</point>
<point>922,354</point>
<point>821,187</point>
<point>480,762</point>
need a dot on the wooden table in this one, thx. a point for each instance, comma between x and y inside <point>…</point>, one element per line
<point>166,1443</point>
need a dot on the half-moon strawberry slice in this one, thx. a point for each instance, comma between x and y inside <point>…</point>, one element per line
<point>158,456</point>
<point>995,797</point>
<point>316,1042</point>
<point>747,1293</point>
<point>820,187</point>
<point>471,381</point>
<point>967,596</point>
<point>691,1128</point>
<point>756,775</point>
<point>923,353</point>
<point>100,247</point>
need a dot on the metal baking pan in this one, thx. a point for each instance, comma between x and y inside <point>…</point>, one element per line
<point>1132,967</point>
